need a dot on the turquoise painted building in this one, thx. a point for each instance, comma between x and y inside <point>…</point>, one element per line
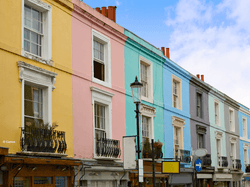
<point>146,62</point>
<point>177,121</point>
<point>244,128</point>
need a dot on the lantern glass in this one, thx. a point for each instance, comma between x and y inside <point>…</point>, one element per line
<point>136,90</point>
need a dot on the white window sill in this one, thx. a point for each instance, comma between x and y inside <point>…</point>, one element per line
<point>106,84</point>
<point>36,58</point>
<point>148,99</point>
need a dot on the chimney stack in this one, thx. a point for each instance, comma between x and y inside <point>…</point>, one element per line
<point>167,53</point>
<point>163,50</point>
<point>109,13</point>
<point>202,78</point>
<point>198,76</point>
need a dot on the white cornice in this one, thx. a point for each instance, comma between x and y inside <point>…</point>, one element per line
<point>95,89</point>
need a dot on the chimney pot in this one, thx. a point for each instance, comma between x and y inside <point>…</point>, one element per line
<point>98,9</point>
<point>104,10</point>
<point>198,76</point>
<point>202,78</point>
<point>163,50</point>
<point>167,53</point>
<point>112,13</point>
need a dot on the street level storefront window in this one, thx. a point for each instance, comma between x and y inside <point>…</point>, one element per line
<point>21,182</point>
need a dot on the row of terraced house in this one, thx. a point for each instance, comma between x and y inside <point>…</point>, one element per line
<point>66,104</point>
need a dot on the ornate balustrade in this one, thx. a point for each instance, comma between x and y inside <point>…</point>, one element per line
<point>236,164</point>
<point>222,162</point>
<point>182,155</point>
<point>206,160</point>
<point>108,148</point>
<point>42,139</point>
<point>247,168</point>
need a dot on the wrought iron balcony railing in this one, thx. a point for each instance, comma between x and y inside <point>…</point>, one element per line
<point>236,164</point>
<point>222,162</point>
<point>182,155</point>
<point>37,139</point>
<point>108,148</point>
<point>247,168</point>
<point>206,160</point>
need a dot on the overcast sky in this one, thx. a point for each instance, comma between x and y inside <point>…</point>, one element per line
<point>204,37</point>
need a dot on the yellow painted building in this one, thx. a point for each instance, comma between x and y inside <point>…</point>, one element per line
<point>36,82</point>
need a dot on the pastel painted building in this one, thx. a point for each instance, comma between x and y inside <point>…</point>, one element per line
<point>144,61</point>
<point>223,116</point>
<point>98,95</point>
<point>244,130</point>
<point>200,126</point>
<point>177,121</point>
<point>36,68</point>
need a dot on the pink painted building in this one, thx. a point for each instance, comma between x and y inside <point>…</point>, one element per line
<point>98,95</point>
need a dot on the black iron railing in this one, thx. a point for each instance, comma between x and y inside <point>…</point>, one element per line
<point>38,139</point>
<point>247,168</point>
<point>206,160</point>
<point>147,150</point>
<point>108,148</point>
<point>236,164</point>
<point>222,161</point>
<point>182,155</point>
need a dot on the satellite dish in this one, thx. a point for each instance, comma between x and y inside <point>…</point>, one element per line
<point>200,152</point>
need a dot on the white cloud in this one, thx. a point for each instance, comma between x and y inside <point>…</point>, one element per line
<point>219,51</point>
<point>118,3</point>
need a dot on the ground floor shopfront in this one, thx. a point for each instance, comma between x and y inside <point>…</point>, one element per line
<point>183,179</point>
<point>35,171</point>
<point>101,173</point>
<point>227,178</point>
<point>161,180</point>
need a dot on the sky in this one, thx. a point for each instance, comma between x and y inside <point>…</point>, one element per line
<point>204,37</point>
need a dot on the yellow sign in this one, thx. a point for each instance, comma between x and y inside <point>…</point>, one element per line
<point>170,167</point>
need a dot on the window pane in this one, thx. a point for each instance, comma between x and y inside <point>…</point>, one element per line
<point>34,49</point>
<point>61,181</point>
<point>21,182</point>
<point>26,34</point>
<point>42,180</point>
<point>35,14</point>
<point>99,70</point>
<point>26,46</point>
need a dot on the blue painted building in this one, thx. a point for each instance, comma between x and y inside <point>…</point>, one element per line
<point>177,121</point>
<point>244,128</point>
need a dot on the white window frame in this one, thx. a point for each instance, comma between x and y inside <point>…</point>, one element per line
<point>244,129</point>
<point>39,78</point>
<point>104,98</point>
<point>231,121</point>
<point>200,106</point>
<point>149,112</point>
<point>245,148</point>
<point>179,81</point>
<point>178,123</point>
<point>107,58</point>
<point>46,11</point>
<point>218,136</point>
<point>149,65</point>
<point>215,122</point>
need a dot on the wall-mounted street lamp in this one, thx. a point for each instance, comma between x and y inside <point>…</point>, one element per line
<point>136,94</point>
